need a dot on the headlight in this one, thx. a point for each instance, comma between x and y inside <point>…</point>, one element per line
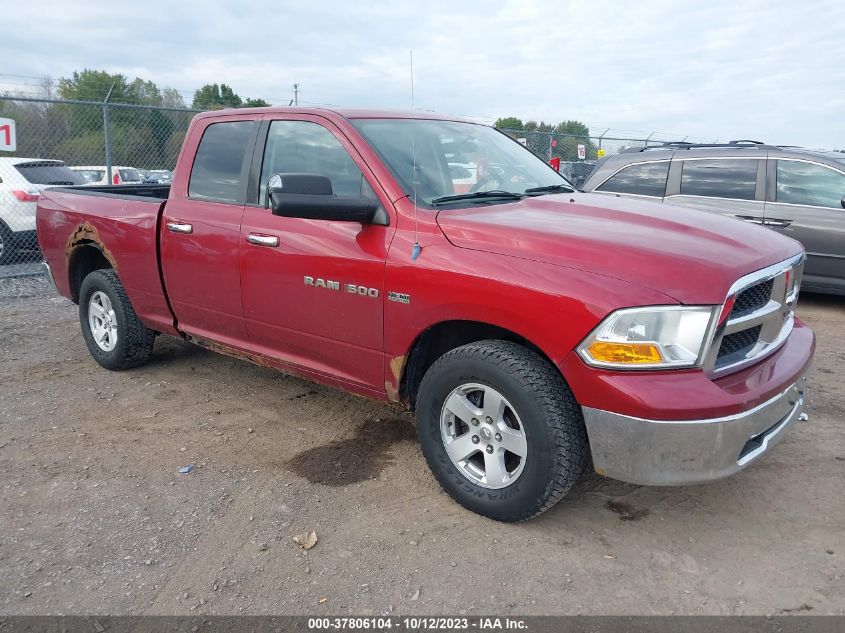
<point>655,337</point>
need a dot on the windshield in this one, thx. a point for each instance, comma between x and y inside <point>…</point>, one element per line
<point>47,173</point>
<point>454,159</point>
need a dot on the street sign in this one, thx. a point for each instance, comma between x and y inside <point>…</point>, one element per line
<point>8,139</point>
<point>582,152</point>
<point>522,141</point>
<point>600,153</point>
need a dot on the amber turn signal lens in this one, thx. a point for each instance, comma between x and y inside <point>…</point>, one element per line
<point>629,353</point>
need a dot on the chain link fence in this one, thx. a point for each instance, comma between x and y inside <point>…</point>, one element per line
<point>73,143</point>
<point>577,154</point>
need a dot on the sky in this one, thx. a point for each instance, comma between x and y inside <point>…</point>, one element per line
<point>717,69</point>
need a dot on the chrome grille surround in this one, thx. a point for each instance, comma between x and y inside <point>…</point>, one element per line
<point>774,318</point>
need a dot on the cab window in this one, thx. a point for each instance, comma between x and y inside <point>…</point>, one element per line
<point>216,174</point>
<point>304,147</point>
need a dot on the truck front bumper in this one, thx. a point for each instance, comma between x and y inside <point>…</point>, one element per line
<point>683,427</point>
<point>669,453</point>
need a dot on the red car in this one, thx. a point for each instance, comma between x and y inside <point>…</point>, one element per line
<point>533,329</point>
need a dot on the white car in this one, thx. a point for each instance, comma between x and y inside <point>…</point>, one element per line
<point>120,175</point>
<point>21,182</point>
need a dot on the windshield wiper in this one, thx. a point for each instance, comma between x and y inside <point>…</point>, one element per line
<point>478,195</point>
<point>548,189</point>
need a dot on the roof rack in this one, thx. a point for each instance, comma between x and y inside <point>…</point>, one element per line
<point>738,144</point>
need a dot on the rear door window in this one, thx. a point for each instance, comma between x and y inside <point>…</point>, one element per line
<point>216,174</point>
<point>809,184</point>
<point>718,178</point>
<point>642,179</point>
<point>49,173</point>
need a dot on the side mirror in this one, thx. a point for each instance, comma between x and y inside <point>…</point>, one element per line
<point>310,196</point>
<point>842,202</point>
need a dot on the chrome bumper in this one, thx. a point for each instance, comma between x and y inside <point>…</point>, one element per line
<point>671,453</point>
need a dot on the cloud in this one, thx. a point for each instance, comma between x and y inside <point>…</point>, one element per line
<point>720,69</point>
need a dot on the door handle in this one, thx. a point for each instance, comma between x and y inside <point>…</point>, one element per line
<point>262,240</point>
<point>776,223</point>
<point>751,218</point>
<point>179,227</point>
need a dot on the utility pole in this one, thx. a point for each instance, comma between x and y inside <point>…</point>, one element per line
<point>106,133</point>
<point>296,94</point>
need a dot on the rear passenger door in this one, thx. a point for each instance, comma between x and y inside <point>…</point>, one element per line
<point>805,203</point>
<point>201,226</point>
<point>732,186</point>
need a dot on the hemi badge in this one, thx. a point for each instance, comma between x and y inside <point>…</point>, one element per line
<point>398,297</point>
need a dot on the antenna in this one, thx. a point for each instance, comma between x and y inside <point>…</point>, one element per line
<point>416,250</point>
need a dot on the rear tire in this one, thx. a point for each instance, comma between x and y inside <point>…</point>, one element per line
<point>455,397</point>
<point>112,330</point>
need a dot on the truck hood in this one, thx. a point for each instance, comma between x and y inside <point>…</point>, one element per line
<point>691,256</point>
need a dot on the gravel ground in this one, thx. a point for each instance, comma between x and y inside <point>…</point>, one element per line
<point>96,519</point>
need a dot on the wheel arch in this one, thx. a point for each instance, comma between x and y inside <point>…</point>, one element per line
<point>86,257</point>
<point>442,337</point>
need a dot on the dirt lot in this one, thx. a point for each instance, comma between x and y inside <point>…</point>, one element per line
<point>94,517</point>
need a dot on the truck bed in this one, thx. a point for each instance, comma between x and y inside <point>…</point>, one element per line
<point>122,223</point>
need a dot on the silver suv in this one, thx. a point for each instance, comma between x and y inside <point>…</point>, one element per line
<point>798,192</point>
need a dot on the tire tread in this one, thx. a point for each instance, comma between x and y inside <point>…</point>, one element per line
<point>140,340</point>
<point>564,418</point>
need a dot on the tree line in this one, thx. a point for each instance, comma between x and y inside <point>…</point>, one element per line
<point>140,137</point>
<point>550,139</point>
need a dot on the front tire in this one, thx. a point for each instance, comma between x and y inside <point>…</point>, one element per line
<point>112,330</point>
<point>500,430</point>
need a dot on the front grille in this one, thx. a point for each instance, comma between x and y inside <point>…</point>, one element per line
<point>738,344</point>
<point>761,317</point>
<point>753,298</point>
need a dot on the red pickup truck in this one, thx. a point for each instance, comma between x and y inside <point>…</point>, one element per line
<point>534,329</point>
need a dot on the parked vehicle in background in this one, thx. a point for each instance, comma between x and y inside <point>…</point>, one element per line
<point>532,328</point>
<point>577,172</point>
<point>21,182</point>
<point>158,176</point>
<point>792,190</point>
<point>96,175</point>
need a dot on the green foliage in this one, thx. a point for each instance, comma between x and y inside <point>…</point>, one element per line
<point>171,98</point>
<point>216,97</point>
<point>140,137</point>
<point>549,140</point>
<point>93,85</point>
<point>509,123</point>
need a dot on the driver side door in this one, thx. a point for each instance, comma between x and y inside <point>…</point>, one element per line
<point>313,290</point>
